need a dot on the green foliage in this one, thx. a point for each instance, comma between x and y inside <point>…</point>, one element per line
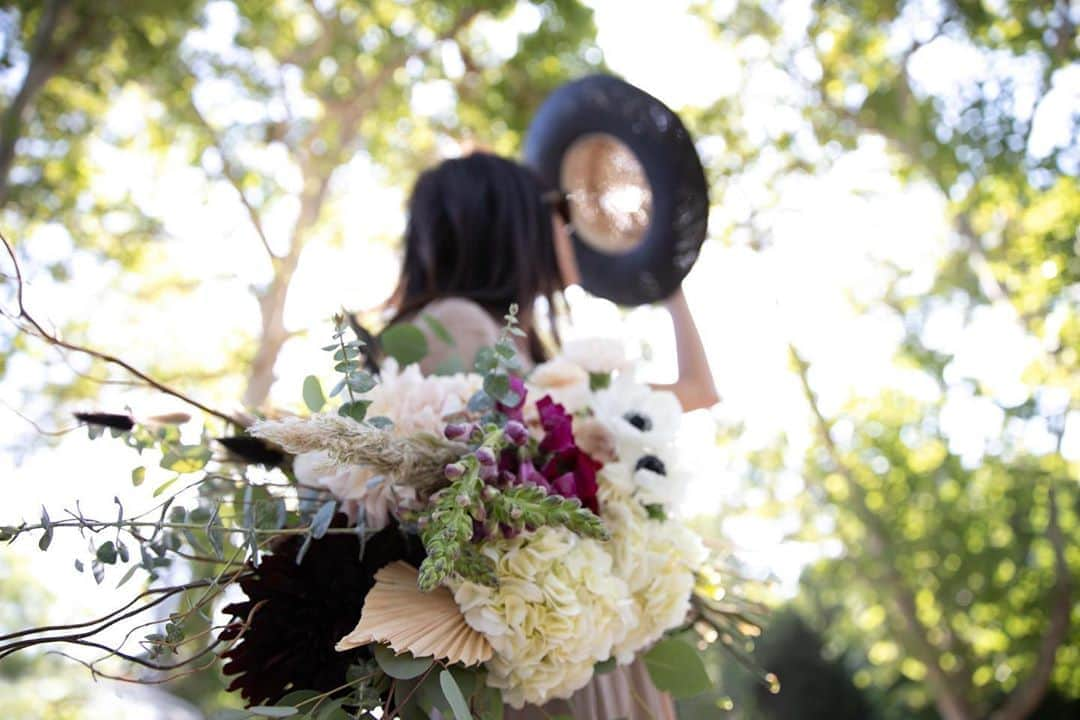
<point>447,529</point>
<point>677,668</point>
<point>447,525</point>
<point>530,506</point>
<point>404,342</point>
<point>313,394</point>
<point>400,666</point>
<point>454,696</point>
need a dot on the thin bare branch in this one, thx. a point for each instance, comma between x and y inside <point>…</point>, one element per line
<point>229,171</point>
<point>52,339</point>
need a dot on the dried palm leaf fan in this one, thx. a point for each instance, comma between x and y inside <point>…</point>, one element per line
<point>398,614</point>
<point>636,189</point>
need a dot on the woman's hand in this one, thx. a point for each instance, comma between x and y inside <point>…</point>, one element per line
<point>694,388</point>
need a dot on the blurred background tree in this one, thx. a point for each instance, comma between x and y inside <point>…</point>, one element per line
<point>947,586</point>
<point>957,579</point>
<point>271,103</point>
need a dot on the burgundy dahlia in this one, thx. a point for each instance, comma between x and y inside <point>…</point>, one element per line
<point>305,609</point>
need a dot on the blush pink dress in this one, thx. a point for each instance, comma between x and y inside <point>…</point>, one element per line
<point>626,692</point>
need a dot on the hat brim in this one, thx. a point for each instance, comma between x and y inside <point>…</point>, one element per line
<point>602,104</point>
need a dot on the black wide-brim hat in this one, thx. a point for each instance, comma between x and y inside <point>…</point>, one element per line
<point>638,199</point>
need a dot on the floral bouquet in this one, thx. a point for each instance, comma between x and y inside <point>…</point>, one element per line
<point>452,543</point>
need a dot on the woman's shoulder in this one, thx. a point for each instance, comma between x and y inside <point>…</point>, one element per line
<point>467,325</point>
<point>460,312</point>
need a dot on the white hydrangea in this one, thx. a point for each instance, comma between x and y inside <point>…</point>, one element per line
<point>559,609</point>
<point>657,559</point>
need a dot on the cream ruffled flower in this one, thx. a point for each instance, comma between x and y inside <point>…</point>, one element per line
<point>657,560</point>
<point>558,610</point>
<point>419,403</point>
<point>415,404</point>
<point>566,382</point>
<point>356,487</point>
<point>596,355</point>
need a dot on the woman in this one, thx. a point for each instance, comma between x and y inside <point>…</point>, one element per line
<point>483,234</point>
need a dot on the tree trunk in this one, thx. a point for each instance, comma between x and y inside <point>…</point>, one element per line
<point>272,300</point>
<point>1026,698</point>
<point>950,690</point>
<point>44,61</point>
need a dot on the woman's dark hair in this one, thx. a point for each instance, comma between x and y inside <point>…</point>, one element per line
<point>479,229</point>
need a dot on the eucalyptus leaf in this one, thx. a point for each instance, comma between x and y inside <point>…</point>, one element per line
<point>454,696</point>
<point>438,329</point>
<point>186,458</point>
<point>304,547</point>
<point>491,704</point>
<point>231,714</point>
<point>404,342</point>
<point>106,553</point>
<point>332,710</point>
<point>480,402</point>
<point>165,485</point>
<point>360,382</point>
<point>47,536</point>
<point>403,666</point>
<point>497,385</point>
<point>273,711</point>
<point>127,576</point>
<point>313,394</point>
<point>349,353</point>
<point>406,694</point>
<point>321,522</point>
<point>485,360</point>
<point>298,696</point>
<point>677,668</point>
<point>356,410</point>
<point>381,422</point>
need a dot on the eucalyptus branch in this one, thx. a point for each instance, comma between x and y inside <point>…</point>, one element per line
<point>52,339</point>
<point>96,526</point>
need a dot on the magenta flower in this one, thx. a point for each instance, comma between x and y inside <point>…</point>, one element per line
<point>567,468</point>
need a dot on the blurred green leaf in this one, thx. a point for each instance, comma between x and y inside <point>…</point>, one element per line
<point>404,342</point>
<point>313,394</point>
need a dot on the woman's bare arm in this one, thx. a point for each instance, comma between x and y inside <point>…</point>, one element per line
<point>694,388</point>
